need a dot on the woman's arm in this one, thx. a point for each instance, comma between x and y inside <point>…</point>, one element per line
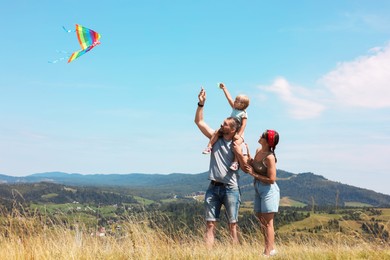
<point>246,165</point>
<point>271,170</point>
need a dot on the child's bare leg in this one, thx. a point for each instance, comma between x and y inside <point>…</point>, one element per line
<point>212,141</point>
<point>238,140</point>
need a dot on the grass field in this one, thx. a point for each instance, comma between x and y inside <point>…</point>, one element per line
<point>288,202</point>
<point>36,238</point>
<point>357,204</point>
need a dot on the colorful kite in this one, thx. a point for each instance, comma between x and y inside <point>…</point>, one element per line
<point>87,39</point>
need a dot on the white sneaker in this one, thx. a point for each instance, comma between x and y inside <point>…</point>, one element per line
<point>271,253</point>
<point>207,150</point>
<point>234,166</point>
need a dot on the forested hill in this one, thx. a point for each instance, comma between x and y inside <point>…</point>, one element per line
<point>307,188</point>
<point>44,192</point>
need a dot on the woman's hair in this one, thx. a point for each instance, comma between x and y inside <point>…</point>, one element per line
<point>244,100</point>
<point>272,138</point>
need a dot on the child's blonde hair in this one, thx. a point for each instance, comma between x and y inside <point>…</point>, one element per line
<point>244,101</point>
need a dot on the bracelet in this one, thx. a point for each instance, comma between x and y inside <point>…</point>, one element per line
<point>199,105</point>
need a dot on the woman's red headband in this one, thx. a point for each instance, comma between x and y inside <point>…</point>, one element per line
<point>271,138</point>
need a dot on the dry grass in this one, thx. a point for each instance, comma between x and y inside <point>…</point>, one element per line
<point>37,238</point>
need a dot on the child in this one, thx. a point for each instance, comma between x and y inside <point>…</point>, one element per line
<point>239,105</point>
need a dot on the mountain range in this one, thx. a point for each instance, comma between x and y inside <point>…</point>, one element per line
<point>307,188</point>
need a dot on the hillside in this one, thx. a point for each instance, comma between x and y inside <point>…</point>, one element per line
<point>307,188</point>
<point>58,193</point>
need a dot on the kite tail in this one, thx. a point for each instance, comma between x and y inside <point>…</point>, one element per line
<point>62,58</point>
<point>58,60</point>
<point>68,31</point>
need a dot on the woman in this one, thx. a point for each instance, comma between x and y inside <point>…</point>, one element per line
<point>263,169</point>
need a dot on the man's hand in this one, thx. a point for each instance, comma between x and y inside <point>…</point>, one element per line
<point>248,169</point>
<point>202,96</point>
<point>244,160</point>
<point>199,120</point>
<point>237,148</point>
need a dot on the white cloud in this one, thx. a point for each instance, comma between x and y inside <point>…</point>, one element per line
<point>300,100</point>
<point>363,82</point>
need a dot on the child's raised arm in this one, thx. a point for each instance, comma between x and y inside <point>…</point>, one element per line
<point>227,94</point>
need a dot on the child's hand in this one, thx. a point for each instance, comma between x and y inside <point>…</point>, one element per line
<point>221,86</point>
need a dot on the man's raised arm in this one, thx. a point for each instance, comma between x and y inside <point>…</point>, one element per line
<point>199,119</point>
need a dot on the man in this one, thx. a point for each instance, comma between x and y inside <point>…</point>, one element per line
<point>223,188</point>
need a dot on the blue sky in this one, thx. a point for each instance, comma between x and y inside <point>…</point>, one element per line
<point>317,72</point>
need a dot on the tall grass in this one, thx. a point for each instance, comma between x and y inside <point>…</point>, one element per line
<point>37,237</point>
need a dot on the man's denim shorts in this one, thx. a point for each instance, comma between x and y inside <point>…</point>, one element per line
<point>267,197</point>
<point>216,196</point>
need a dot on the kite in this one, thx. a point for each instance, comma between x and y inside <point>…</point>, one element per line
<point>88,39</point>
